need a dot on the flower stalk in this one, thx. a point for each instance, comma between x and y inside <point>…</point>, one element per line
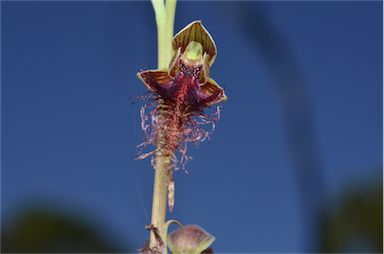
<point>174,116</point>
<point>165,15</point>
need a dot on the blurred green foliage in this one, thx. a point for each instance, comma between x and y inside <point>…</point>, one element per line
<point>355,224</point>
<point>42,230</point>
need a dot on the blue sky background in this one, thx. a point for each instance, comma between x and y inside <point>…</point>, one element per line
<point>69,130</point>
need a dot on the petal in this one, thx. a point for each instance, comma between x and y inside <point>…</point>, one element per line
<point>204,74</point>
<point>195,31</point>
<point>156,80</point>
<point>211,93</point>
<point>174,64</point>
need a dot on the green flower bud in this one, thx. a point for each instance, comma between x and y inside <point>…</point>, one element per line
<point>189,239</point>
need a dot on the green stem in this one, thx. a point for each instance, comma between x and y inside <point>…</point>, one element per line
<point>165,15</point>
<point>159,203</point>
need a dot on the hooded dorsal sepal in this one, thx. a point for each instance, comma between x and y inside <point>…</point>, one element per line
<point>196,32</point>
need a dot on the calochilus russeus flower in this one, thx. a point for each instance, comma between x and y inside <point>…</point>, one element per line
<point>175,113</point>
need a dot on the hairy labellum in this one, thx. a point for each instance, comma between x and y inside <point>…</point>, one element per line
<point>171,127</point>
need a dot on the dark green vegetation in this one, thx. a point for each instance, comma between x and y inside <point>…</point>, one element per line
<point>41,230</point>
